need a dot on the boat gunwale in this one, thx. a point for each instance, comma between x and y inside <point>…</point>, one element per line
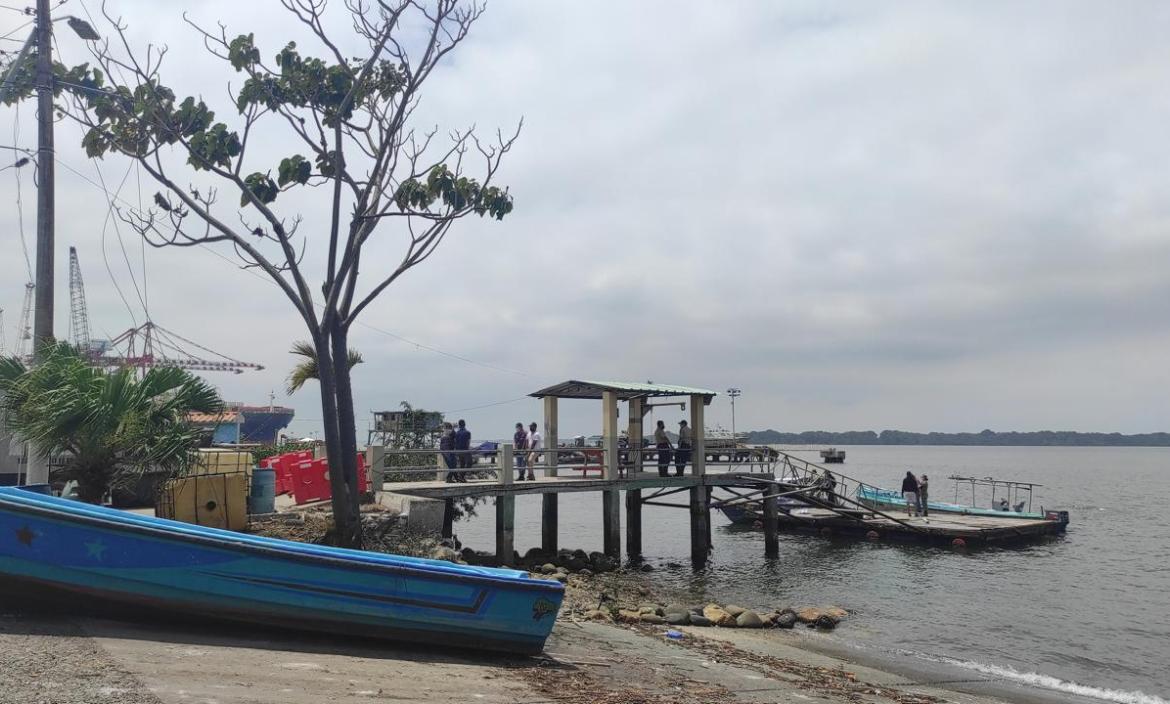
<point>276,552</point>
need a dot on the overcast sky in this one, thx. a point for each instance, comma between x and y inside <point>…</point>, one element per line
<point>922,216</point>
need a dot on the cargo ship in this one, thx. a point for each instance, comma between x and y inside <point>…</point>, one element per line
<point>242,423</point>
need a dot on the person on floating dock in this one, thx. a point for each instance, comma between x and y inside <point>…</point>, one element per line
<point>447,448</point>
<point>535,442</point>
<point>462,450</point>
<point>520,441</point>
<point>662,442</point>
<point>923,494</point>
<point>910,493</point>
<point>682,455</point>
<point>828,487</point>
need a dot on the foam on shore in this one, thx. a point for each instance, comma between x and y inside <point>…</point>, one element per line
<point>1033,679</point>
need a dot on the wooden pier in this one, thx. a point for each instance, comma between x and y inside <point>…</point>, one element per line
<point>621,469</point>
<point>641,489</point>
<point>765,485</point>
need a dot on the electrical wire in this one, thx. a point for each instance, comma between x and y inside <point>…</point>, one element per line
<point>19,199</point>
<point>17,29</point>
<point>105,257</point>
<point>22,10</point>
<point>395,336</point>
<point>118,232</point>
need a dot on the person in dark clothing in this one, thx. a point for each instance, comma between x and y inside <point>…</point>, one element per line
<point>682,454</point>
<point>662,442</point>
<point>446,448</point>
<point>463,449</point>
<point>910,493</point>
<point>520,442</point>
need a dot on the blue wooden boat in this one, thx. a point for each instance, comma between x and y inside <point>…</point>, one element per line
<point>58,545</point>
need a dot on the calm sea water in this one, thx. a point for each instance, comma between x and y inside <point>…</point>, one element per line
<point>1087,613</point>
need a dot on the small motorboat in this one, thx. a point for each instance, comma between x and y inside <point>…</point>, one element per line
<point>58,545</point>
<point>888,499</point>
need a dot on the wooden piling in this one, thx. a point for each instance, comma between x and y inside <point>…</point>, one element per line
<point>634,523</point>
<point>505,509</point>
<point>505,528</point>
<point>771,525</point>
<point>548,523</point>
<point>611,517</point>
<point>448,518</point>
<point>700,522</point>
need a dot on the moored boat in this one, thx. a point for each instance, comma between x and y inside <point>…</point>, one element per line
<point>48,543</point>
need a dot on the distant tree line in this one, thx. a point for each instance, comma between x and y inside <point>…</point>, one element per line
<point>986,437</point>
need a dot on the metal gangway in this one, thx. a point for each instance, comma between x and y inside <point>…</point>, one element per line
<point>813,486</point>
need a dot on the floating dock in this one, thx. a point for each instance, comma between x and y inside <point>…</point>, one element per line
<point>940,529</point>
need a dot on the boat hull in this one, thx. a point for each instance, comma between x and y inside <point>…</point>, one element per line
<point>139,561</point>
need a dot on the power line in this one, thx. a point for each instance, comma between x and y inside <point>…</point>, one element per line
<point>19,199</point>
<point>118,230</point>
<point>400,338</point>
<point>17,29</point>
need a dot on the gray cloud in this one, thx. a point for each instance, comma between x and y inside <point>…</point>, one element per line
<point>923,216</point>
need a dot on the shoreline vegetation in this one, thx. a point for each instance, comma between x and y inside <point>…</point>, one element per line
<point>991,438</point>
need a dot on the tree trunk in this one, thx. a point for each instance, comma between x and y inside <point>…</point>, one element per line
<point>345,520</point>
<point>346,425</point>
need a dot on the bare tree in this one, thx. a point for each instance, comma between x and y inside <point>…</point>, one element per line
<point>358,152</point>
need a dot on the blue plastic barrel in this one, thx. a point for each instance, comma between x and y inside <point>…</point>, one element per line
<point>263,498</point>
<point>39,489</point>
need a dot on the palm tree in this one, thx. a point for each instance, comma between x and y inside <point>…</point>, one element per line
<point>111,425</point>
<point>307,369</point>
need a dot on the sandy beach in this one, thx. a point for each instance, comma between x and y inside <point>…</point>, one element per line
<point>73,658</point>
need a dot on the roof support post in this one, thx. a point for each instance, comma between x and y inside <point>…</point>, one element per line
<point>637,413</point>
<point>550,436</point>
<point>609,433</point>
<point>698,442</point>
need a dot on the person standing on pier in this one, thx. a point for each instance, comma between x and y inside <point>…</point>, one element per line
<point>520,442</point>
<point>923,495</point>
<point>535,442</point>
<point>446,448</point>
<point>463,450</point>
<point>683,454</point>
<point>910,493</point>
<point>662,442</point>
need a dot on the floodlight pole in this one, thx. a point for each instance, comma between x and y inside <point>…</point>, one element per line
<point>733,393</point>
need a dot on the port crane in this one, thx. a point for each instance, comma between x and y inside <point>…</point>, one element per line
<point>144,346</point>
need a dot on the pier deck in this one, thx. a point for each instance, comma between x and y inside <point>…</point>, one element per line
<point>568,484</point>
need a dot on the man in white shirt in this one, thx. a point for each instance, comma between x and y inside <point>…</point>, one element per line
<point>535,442</point>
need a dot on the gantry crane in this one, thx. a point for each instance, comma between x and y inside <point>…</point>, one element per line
<point>78,313</point>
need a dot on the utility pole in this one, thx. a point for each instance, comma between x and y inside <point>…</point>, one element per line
<point>37,467</point>
<point>46,161</point>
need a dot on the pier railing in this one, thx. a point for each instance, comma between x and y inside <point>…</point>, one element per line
<point>476,464</point>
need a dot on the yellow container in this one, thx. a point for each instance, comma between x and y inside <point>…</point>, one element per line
<point>212,461</point>
<point>212,500</point>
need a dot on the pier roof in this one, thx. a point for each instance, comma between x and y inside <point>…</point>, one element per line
<point>625,390</point>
